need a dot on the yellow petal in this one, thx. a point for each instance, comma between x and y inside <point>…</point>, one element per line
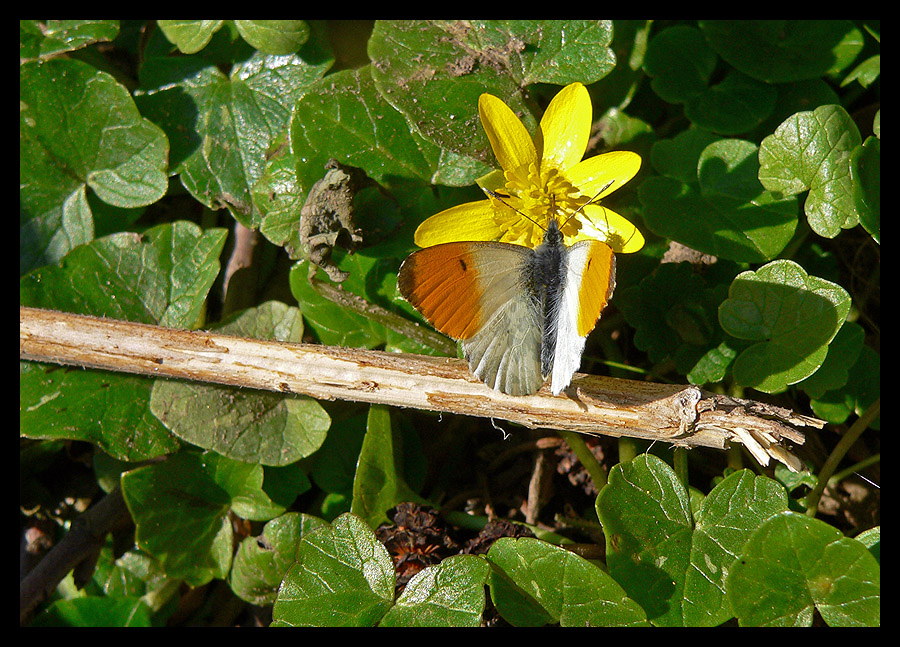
<point>469,221</point>
<point>495,180</point>
<point>592,174</point>
<point>509,139</point>
<point>605,224</point>
<point>566,127</point>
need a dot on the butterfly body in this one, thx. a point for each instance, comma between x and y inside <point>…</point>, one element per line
<point>521,314</point>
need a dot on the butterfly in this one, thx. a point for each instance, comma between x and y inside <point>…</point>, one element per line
<point>522,315</point>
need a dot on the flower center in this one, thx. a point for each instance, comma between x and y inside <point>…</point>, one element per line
<point>540,195</point>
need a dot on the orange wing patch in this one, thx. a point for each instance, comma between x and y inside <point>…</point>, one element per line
<point>442,283</point>
<point>597,284</point>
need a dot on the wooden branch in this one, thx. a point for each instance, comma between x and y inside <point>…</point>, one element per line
<point>83,540</point>
<point>682,415</point>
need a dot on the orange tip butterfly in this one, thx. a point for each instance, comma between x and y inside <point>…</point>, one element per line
<point>521,314</point>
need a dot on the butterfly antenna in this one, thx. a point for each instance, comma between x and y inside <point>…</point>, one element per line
<point>594,199</point>
<point>500,196</point>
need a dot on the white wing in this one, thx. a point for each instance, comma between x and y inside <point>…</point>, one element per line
<point>590,279</point>
<point>505,353</point>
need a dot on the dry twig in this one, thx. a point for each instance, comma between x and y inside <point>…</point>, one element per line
<point>682,415</point>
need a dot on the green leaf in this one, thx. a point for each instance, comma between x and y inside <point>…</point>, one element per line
<point>534,583</point>
<point>713,365</point>
<point>379,484</point>
<point>108,410</point>
<point>335,463</point>
<point>779,51</point>
<point>735,105</point>
<point>727,213</point>
<point>189,36</point>
<point>842,355</point>
<point>95,612</point>
<point>673,565</point>
<point>866,72</point>
<point>865,174</point>
<point>448,594</point>
<point>671,308</point>
<point>47,38</point>
<point>449,63</point>
<point>180,509</point>
<point>162,277</point>
<point>793,565</point>
<point>343,577</point>
<point>792,316</point>
<point>871,539</point>
<point>679,158</point>
<point>681,63</point>
<point>561,51</point>
<point>862,389</point>
<point>334,324</point>
<point>235,120</point>
<point>261,562</point>
<point>278,198</point>
<point>276,37</point>
<point>242,117</point>
<point>79,129</point>
<point>251,426</point>
<point>345,117</point>
<point>730,513</point>
<point>811,150</point>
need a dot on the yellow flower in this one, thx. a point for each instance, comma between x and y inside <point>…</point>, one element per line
<point>542,178</point>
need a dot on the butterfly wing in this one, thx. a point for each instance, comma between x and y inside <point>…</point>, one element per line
<point>589,284</point>
<point>474,292</point>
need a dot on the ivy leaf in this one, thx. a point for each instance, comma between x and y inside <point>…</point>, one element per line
<point>180,509</point>
<point>162,277</point>
<point>262,561</point>
<point>647,513</point>
<point>678,158</point>
<point>449,63</point>
<point>345,117</point>
<point>447,594</point>
<point>534,583</point>
<point>792,316</point>
<point>681,62</point>
<point>564,51</point>
<point>190,36</point>
<point>671,308</point>
<point>793,565</point>
<point>276,37</point>
<point>863,387</point>
<point>46,38</point>
<point>343,576</point>
<point>235,120</point>
<point>726,213</point>
<point>842,355</point>
<point>811,150</point>
<point>735,105</point>
<point>779,51</point>
<point>79,129</point>
<point>249,426</point>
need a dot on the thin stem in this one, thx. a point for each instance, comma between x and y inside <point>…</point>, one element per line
<point>838,453</point>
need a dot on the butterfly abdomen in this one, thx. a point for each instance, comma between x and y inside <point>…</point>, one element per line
<point>548,279</point>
